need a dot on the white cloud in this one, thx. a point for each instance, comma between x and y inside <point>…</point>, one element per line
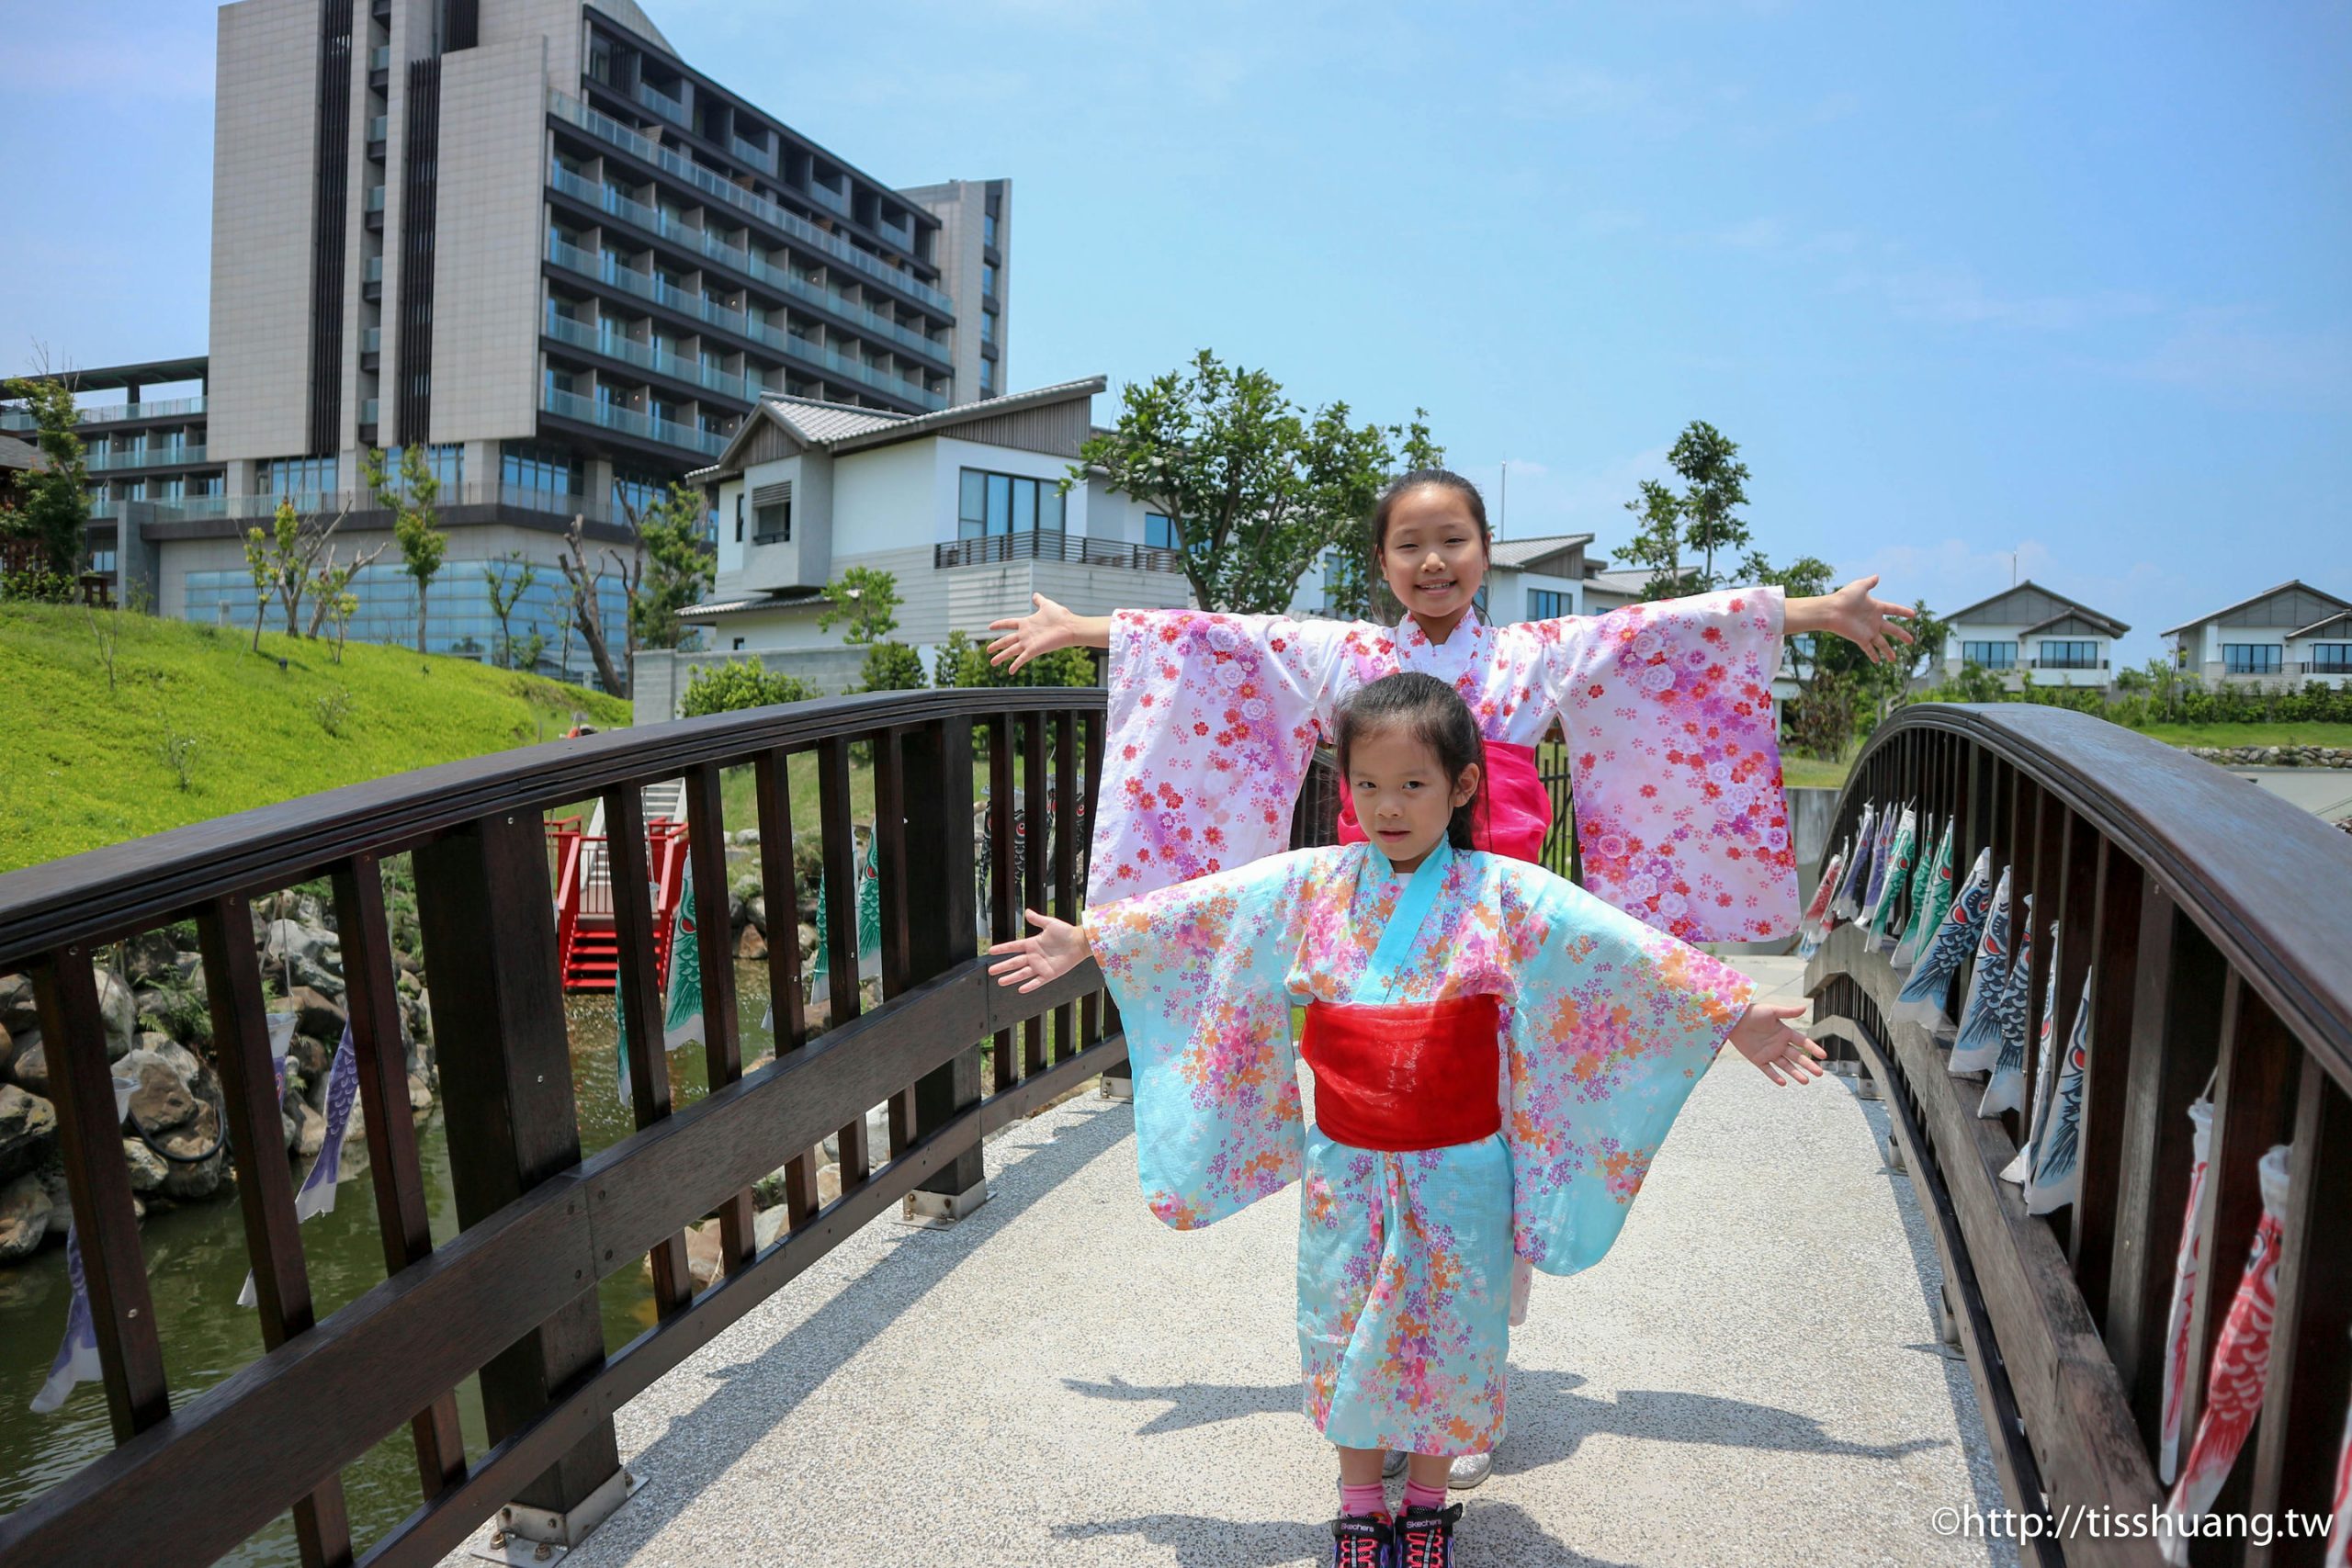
<point>1953,294</point>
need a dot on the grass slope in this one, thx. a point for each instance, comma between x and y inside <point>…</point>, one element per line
<point>81,767</point>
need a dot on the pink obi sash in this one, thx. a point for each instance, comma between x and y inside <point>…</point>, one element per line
<point>1512,813</point>
<point>1422,1075</point>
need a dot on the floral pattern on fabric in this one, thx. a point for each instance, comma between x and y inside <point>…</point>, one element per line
<point>1405,1259</point>
<point>1666,709</point>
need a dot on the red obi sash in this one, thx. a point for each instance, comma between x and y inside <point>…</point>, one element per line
<point>1512,813</point>
<point>1424,1076</point>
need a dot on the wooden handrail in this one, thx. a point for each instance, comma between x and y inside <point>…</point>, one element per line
<point>512,1300</point>
<point>2205,931</point>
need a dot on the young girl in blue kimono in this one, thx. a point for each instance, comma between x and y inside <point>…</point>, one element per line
<point>1497,1056</point>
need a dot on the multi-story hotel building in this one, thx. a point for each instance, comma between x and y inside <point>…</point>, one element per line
<point>527,236</point>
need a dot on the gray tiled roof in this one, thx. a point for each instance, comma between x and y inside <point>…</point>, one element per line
<point>1518,552</point>
<point>22,455</point>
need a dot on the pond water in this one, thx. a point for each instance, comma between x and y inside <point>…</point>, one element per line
<point>196,1264</point>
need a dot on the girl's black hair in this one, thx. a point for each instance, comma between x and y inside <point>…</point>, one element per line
<point>1438,717</point>
<point>1446,479</point>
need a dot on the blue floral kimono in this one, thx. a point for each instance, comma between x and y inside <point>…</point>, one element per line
<point>1405,1259</point>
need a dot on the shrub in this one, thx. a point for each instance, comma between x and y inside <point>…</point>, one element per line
<point>726,688</point>
<point>892,667</point>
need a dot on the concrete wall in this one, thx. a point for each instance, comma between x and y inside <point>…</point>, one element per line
<point>488,234</point>
<point>264,197</point>
<point>661,675</point>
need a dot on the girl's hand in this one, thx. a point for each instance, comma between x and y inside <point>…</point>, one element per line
<point>1765,1038</point>
<point>1057,949</point>
<point>1046,629</point>
<point>1851,613</point>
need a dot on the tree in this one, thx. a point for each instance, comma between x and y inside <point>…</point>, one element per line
<point>507,587</point>
<point>264,573</point>
<point>52,513</point>
<point>410,499</point>
<point>726,688</point>
<point>1837,686</point>
<point>331,583</point>
<point>678,569</point>
<point>587,581</point>
<point>1708,463</point>
<point>1657,543</point>
<point>289,552</point>
<point>867,598</point>
<point>1256,490</point>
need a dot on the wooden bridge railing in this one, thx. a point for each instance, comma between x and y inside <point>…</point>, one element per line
<point>2214,922</point>
<point>513,1297</point>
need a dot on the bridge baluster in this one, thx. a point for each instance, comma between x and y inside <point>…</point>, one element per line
<point>1032,864</point>
<point>89,1135</point>
<point>2311,1356</point>
<point>936,837</point>
<point>510,1110</point>
<point>1004,876</point>
<point>2114,924</point>
<point>840,935</point>
<point>722,1044</point>
<point>1065,823</point>
<point>892,869</point>
<point>401,1218</point>
<point>780,877</point>
<point>641,1008</point>
<point>264,1181</point>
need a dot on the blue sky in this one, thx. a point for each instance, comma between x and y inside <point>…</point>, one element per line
<point>2072,282</point>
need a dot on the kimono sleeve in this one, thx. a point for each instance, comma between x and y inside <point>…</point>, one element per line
<point>1675,761</point>
<point>1200,973</point>
<point>1612,1024</point>
<point>1212,719</point>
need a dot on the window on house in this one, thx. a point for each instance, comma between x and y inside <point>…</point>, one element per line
<point>738,517</point>
<point>994,506</point>
<point>771,514</point>
<point>2332,658</point>
<point>2250,658</point>
<point>988,229</point>
<point>298,476</point>
<point>2070,656</point>
<point>739,645</point>
<point>1159,533</point>
<point>1547,605</point>
<point>1990,655</point>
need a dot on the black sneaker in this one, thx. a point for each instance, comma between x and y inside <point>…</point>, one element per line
<point>1363,1540</point>
<point>1425,1536</point>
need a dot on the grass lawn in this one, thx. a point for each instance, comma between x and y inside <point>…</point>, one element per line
<point>2310,733</point>
<point>83,766</point>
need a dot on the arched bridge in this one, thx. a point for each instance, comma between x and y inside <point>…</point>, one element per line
<point>1758,1361</point>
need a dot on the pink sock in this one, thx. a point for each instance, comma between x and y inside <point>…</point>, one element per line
<point>1368,1499</point>
<point>1419,1496</point>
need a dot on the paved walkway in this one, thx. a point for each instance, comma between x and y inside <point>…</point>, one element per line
<point>1751,1377</point>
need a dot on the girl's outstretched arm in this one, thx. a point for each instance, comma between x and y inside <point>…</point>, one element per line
<point>1851,613</point>
<point>1033,960</point>
<point>1764,1037</point>
<point>1045,629</point>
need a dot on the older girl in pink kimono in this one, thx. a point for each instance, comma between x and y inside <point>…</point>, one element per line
<point>1672,748</point>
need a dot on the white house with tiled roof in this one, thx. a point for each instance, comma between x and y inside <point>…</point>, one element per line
<point>2288,634</point>
<point>962,507</point>
<point>2033,636</point>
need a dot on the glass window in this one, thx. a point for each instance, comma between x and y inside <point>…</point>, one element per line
<point>1049,506</point>
<point>298,476</point>
<point>2250,658</point>
<point>1158,532</point>
<point>2332,658</point>
<point>1025,506</point>
<point>635,494</point>
<point>2069,655</point>
<point>101,561</point>
<point>1990,655</point>
<point>988,229</point>
<point>987,375</point>
<point>999,503</point>
<point>738,517</point>
<point>971,510</point>
<point>1547,603</point>
<point>988,277</point>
